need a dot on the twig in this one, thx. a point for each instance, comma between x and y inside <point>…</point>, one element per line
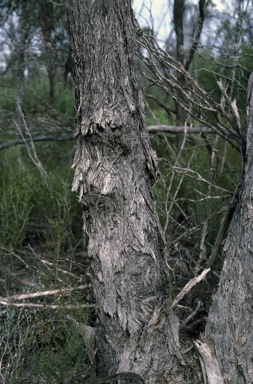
<point>193,313</point>
<point>45,262</point>
<point>45,306</point>
<point>27,140</point>
<point>188,287</point>
<point>178,129</point>
<point>31,152</point>
<point>208,206</point>
<point>189,172</point>
<point>166,307</point>
<point>223,228</point>
<point>44,293</point>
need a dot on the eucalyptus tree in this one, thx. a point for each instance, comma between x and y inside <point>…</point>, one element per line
<point>115,173</point>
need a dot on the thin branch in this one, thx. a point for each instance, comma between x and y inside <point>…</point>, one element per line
<point>45,306</point>
<point>223,229</point>
<point>31,152</point>
<point>189,172</point>
<point>195,100</point>
<point>174,129</point>
<point>168,110</point>
<point>34,139</point>
<point>187,288</point>
<point>193,313</point>
<point>44,293</point>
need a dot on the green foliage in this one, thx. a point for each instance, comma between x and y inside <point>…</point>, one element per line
<point>42,346</point>
<point>59,352</point>
<point>32,207</point>
<point>15,206</point>
<point>61,216</point>
<point>7,322</point>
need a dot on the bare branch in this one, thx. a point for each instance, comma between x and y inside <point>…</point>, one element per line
<point>188,287</point>
<point>44,293</point>
<point>45,306</point>
<point>189,172</point>
<point>174,129</point>
<point>34,139</point>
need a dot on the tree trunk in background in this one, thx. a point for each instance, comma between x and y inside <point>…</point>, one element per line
<point>230,323</point>
<point>114,172</point>
<point>185,58</point>
<point>50,59</point>
<point>178,19</point>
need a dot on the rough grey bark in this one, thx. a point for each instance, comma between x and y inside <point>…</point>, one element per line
<point>114,173</point>
<point>230,323</point>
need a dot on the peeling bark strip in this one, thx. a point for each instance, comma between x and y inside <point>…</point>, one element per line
<point>230,321</point>
<point>114,173</point>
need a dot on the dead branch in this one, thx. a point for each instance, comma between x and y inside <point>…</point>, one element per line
<point>189,172</point>
<point>187,288</point>
<point>31,150</point>
<point>193,313</point>
<point>27,140</point>
<point>174,129</point>
<point>44,293</point>
<point>167,306</point>
<point>193,99</point>
<point>168,110</point>
<point>222,231</point>
<point>45,306</point>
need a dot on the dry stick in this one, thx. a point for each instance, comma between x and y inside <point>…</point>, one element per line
<point>170,185</point>
<point>44,306</point>
<point>204,232</point>
<point>187,288</point>
<point>193,313</point>
<point>178,67</point>
<point>177,189</point>
<point>178,129</point>
<point>59,269</point>
<point>151,111</point>
<point>44,293</point>
<point>47,264</point>
<point>168,110</point>
<point>166,307</point>
<point>32,154</point>
<point>33,139</point>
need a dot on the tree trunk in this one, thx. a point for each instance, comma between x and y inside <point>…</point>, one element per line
<point>178,19</point>
<point>230,323</point>
<point>114,173</point>
<point>50,62</point>
<point>184,58</point>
